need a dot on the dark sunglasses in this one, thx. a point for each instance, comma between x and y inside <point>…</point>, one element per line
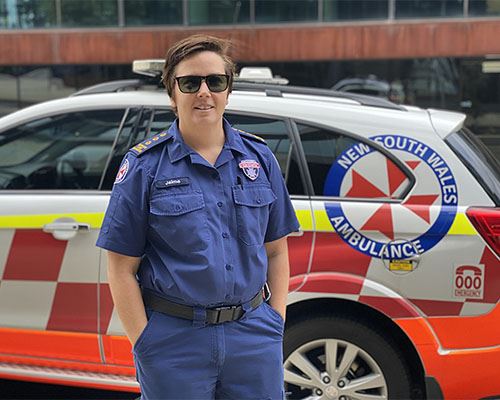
<point>192,83</point>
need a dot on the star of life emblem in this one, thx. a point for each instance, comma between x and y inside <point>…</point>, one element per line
<point>250,168</point>
<point>373,228</point>
<point>122,172</point>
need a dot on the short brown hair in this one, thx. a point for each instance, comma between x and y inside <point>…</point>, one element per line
<point>188,47</point>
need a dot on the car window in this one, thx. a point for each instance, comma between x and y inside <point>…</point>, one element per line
<point>152,122</point>
<point>139,125</point>
<point>343,166</point>
<point>277,137</point>
<point>160,121</point>
<point>65,151</point>
<point>478,159</point>
<point>142,128</point>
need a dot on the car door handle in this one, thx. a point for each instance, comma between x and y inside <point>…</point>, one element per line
<point>65,226</point>
<point>65,230</point>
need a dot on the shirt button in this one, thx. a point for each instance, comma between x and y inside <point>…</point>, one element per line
<point>219,203</point>
<point>259,201</point>
<point>225,235</point>
<point>229,267</point>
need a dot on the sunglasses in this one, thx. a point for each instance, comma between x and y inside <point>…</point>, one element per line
<point>192,83</point>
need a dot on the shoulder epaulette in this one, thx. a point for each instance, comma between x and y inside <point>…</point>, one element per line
<point>149,143</point>
<point>251,136</point>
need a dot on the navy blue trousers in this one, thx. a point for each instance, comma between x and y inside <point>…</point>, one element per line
<point>181,359</point>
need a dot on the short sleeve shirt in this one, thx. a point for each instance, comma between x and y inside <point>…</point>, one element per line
<point>199,228</point>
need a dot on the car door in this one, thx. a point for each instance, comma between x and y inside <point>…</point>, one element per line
<point>148,122</point>
<point>50,211</point>
<point>364,231</point>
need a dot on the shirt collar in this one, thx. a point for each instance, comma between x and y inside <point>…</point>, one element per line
<point>178,149</point>
<point>233,138</point>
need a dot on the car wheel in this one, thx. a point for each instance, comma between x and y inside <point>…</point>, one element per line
<point>342,358</point>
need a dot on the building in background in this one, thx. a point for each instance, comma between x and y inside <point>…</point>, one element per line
<point>431,53</point>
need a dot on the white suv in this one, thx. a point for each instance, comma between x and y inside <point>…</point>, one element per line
<point>395,279</point>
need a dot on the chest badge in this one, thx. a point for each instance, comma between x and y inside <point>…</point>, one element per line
<point>250,168</point>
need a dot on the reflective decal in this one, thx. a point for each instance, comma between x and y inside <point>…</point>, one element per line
<point>401,265</point>
<point>371,228</point>
<point>468,281</point>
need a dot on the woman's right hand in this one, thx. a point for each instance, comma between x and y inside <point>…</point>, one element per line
<point>134,336</point>
<point>126,294</point>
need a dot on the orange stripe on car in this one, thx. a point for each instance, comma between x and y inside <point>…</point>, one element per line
<point>50,344</point>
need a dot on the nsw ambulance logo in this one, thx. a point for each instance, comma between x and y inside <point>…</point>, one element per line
<point>122,172</point>
<point>386,226</point>
<point>250,168</point>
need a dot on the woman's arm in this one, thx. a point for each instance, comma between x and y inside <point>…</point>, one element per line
<point>278,273</point>
<point>126,293</point>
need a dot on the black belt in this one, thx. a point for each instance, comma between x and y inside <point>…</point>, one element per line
<point>216,315</point>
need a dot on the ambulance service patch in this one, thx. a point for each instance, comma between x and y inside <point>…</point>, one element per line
<point>384,227</point>
<point>122,172</point>
<point>250,168</point>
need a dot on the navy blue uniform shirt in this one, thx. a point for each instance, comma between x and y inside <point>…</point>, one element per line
<point>199,228</point>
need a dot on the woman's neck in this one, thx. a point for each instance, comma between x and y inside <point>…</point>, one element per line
<point>207,140</point>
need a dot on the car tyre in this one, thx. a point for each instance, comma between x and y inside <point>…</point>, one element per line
<point>336,357</point>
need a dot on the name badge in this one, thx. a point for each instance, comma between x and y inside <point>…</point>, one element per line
<point>166,183</point>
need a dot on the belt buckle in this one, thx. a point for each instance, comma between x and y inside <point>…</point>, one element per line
<point>224,314</point>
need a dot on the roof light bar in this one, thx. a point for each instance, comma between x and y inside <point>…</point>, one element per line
<point>154,68</point>
<point>260,75</point>
<point>491,67</point>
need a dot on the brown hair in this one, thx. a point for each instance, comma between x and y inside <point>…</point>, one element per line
<point>188,47</point>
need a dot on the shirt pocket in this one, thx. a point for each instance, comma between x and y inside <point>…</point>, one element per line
<point>180,220</point>
<point>252,212</point>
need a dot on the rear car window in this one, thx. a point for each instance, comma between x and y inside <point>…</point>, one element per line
<point>369,174</point>
<point>478,159</point>
<point>62,151</point>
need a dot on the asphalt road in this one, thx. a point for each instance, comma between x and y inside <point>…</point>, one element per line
<point>27,390</point>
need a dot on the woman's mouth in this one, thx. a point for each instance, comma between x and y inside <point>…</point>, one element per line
<point>204,108</point>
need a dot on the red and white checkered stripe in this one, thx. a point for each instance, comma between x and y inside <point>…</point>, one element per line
<point>49,284</point>
<point>340,271</point>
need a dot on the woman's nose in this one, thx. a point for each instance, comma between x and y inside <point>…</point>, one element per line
<point>204,90</point>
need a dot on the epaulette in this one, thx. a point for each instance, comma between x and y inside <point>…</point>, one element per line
<point>251,136</point>
<point>149,143</point>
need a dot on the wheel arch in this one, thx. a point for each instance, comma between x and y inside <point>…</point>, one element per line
<point>321,306</point>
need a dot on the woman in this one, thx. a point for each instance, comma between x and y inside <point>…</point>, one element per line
<point>195,227</point>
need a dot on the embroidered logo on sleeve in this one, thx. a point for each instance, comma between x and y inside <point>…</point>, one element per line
<point>122,172</point>
<point>250,168</point>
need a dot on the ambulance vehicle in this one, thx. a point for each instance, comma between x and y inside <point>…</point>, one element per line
<point>395,273</point>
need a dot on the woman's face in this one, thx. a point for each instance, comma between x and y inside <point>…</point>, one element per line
<point>203,107</point>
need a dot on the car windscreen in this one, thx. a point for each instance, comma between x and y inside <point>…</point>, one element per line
<point>478,159</point>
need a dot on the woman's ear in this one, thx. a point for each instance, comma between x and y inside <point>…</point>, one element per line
<point>173,104</point>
